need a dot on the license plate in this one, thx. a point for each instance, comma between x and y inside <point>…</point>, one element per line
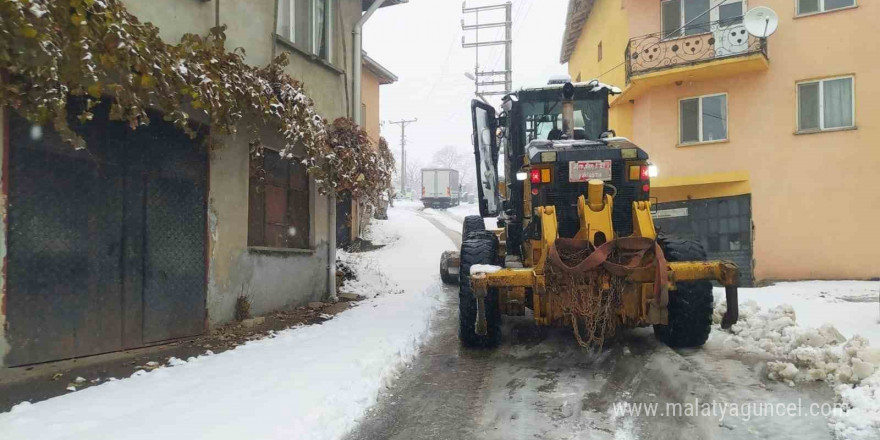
<point>585,170</point>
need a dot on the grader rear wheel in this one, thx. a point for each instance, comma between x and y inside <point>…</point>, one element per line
<point>690,305</point>
<point>471,223</point>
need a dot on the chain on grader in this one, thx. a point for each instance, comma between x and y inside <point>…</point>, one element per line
<point>588,282</point>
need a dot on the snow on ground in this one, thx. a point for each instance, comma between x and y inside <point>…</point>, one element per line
<point>311,382</point>
<point>816,331</point>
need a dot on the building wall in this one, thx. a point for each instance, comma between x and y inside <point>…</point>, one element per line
<point>608,23</point>
<point>370,100</point>
<point>811,193</point>
<point>272,280</point>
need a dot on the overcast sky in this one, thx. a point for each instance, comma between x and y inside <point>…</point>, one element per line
<point>420,42</point>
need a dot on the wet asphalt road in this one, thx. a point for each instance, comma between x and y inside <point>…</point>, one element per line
<point>539,384</point>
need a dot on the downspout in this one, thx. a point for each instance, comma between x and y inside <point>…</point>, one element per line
<point>358,50</point>
<point>357,117</point>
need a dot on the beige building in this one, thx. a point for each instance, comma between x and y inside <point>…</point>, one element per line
<point>148,247</point>
<point>353,216</point>
<point>766,148</point>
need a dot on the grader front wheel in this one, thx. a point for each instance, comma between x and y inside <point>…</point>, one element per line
<point>690,305</point>
<point>479,249</point>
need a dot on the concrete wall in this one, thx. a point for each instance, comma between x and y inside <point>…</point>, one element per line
<point>813,199</point>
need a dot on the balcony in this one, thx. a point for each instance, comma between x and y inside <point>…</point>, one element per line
<point>715,49</point>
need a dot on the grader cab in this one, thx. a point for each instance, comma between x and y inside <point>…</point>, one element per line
<point>575,244</point>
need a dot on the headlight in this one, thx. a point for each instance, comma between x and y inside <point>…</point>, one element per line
<point>653,171</point>
<point>522,176</point>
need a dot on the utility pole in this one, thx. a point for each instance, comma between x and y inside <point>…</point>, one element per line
<point>498,77</point>
<point>403,123</point>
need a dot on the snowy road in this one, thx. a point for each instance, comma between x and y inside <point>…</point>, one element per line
<point>392,368</point>
<point>540,384</point>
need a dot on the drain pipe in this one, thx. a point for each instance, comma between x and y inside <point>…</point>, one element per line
<point>358,50</point>
<point>357,117</point>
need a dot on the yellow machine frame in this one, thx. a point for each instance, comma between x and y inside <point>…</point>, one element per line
<point>639,307</point>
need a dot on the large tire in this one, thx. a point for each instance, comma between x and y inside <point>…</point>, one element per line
<point>480,250</point>
<point>472,223</point>
<point>445,276</point>
<point>690,305</point>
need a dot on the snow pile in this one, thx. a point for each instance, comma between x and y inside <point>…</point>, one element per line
<point>852,366</point>
<point>308,382</point>
<point>484,268</point>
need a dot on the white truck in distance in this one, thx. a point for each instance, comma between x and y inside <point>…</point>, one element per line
<point>440,188</point>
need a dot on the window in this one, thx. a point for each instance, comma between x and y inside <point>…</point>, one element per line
<point>692,15</point>
<point>730,14</point>
<point>599,51</point>
<point>278,203</point>
<point>825,105</point>
<point>703,119</point>
<point>678,13</point>
<point>305,23</point>
<point>815,6</point>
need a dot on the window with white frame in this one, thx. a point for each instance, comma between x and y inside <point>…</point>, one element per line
<point>815,6</point>
<point>703,119</point>
<point>305,23</point>
<point>689,17</point>
<point>826,104</point>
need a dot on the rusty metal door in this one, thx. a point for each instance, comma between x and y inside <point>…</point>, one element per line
<point>174,241</point>
<point>106,247</point>
<point>64,272</point>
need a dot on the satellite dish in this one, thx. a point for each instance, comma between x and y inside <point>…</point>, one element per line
<point>761,21</point>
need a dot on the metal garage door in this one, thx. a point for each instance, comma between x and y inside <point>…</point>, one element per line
<point>106,247</point>
<point>723,225</point>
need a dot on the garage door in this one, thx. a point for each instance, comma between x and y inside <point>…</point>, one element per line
<point>722,224</point>
<point>106,247</point>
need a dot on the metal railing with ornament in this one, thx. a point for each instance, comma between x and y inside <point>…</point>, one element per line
<point>697,43</point>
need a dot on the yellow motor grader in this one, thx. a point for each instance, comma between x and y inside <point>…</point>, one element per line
<point>575,243</point>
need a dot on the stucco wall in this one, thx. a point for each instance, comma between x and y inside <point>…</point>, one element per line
<point>370,98</point>
<point>273,279</point>
<point>813,200</point>
<point>607,23</point>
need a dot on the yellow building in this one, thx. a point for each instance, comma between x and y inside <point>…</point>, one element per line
<point>767,149</point>
<point>349,221</point>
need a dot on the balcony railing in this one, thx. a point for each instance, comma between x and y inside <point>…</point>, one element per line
<point>708,42</point>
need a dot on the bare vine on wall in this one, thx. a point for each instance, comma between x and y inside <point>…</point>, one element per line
<point>95,49</point>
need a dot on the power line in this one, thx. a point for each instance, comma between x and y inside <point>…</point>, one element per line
<point>507,41</point>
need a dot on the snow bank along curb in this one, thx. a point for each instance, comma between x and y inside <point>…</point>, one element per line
<point>310,382</point>
<point>851,366</point>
